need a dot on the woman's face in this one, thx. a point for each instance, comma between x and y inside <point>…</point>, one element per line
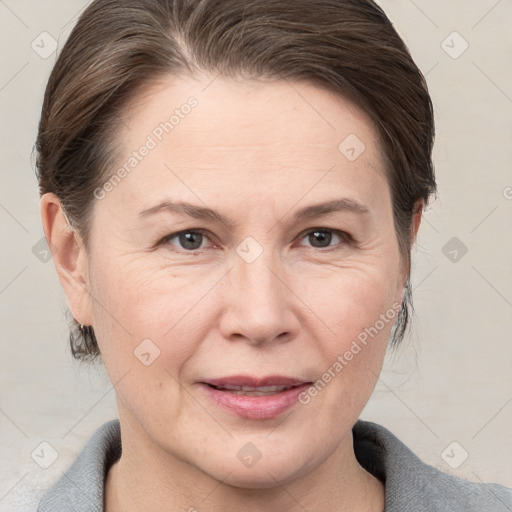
<point>279,292</point>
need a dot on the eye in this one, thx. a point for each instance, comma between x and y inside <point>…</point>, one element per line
<point>322,237</point>
<point>190,240</point>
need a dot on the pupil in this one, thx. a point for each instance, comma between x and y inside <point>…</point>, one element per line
<point>321,236</point>
<point>187,240</point>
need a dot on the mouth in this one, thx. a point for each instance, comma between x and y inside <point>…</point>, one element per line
<point>252,391</point>
<point>254,398</point>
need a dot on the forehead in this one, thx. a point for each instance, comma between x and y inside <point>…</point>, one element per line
<point>244,107</point>
<point>231,136</point>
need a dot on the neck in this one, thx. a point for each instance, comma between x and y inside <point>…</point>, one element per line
<point>146,479</point>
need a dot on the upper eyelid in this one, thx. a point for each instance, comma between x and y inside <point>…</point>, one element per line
<point>340,232</point>
<point>344,235</point>
<point>333,230</point>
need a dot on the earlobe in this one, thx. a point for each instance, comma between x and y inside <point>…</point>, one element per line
<point>69,257</point>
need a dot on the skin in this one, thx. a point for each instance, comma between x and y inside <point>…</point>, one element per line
<point>256,153</point>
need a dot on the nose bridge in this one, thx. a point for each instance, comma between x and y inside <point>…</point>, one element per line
<point>258,304</point>
<point>256,269</point>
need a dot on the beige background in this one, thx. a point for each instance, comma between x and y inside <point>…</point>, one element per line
<point>449,382</point>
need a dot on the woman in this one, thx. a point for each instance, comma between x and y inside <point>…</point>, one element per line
<point>233,190</point>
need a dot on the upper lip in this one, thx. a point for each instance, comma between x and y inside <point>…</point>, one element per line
<point>255,382</point>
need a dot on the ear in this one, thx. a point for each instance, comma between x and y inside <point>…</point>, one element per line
<point>413,233</point>
<point>416,220</point>
<point>69,257</point>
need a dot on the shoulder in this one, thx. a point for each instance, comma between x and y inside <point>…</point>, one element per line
<point>81,487</point>
<point>413,486</point>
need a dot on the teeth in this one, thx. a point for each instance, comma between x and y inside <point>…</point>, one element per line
<point>253,391</point>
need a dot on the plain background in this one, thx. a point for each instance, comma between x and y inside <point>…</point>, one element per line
<point>446,393</point>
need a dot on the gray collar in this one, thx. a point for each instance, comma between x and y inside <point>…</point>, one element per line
<point>411,485</point>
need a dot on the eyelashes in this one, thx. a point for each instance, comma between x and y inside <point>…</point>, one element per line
<point>345,237</point>
<point>181,236</point>
<point>194,243</point>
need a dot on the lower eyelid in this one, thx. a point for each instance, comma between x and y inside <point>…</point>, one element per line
<point>168,238</point>
<point>344,236</point>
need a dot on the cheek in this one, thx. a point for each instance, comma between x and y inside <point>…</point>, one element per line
<point>351,300</point>
<point>136,302</point>
<point>359,307</point>
<point>140,321</point>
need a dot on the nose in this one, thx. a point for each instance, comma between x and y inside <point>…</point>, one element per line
<point>259,304</point>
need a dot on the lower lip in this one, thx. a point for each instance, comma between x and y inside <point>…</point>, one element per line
<point>255,407</point>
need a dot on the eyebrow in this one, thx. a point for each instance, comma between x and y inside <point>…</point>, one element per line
<point>207,214</point>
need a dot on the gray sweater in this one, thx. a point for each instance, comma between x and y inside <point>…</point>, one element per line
<point>411,485</point>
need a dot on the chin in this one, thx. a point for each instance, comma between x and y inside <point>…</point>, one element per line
<point>264,474</point>
<point>246,479</point>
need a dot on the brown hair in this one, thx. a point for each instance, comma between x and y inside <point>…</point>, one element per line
<point>120,47</point>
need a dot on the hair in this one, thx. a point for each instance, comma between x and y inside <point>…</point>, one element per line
<point>119,48</point>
